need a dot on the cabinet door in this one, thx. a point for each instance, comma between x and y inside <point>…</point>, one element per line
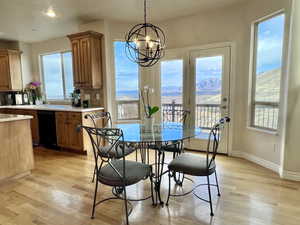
<point>62,129</point>
<point>75,136</point>
<point>4,73</point>
<point>15,71</point>
<point>96,63</point>
<point>76,62</point>
<point>85,51</point>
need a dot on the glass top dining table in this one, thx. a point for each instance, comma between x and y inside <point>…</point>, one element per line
<point>160,132</point>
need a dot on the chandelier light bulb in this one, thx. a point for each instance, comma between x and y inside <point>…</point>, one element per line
<point>151,44</point>
<point>147,38</point>
<point>50,12</point>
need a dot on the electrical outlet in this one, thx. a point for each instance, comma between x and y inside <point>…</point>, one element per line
<point>87,97</point>
<point>98,96</point>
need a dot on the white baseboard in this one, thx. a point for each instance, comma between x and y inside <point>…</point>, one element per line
<point>252,158</point>
<point>285,174</point>
<point>289,175</point>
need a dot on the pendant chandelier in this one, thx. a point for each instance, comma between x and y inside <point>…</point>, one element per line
<point>145,43</point>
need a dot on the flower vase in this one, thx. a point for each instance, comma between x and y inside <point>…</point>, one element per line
<point>148,123</point>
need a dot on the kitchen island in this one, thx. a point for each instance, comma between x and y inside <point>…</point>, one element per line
<point>16,152</point>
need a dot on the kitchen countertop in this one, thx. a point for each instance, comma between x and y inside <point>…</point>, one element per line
<point>9,117</point>
<point>67,108</point>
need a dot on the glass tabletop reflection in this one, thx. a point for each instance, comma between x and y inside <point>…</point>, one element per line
<point>160,132</point>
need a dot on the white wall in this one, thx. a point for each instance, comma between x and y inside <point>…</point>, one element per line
<point>26,63</point>
<point>232,24</point>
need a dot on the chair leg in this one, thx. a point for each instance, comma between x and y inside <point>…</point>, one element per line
<point>209,193</point>
<point>169,191</point>
<point>95,198</point>
<point>126,207</point>
<point>217,182</point>
<point>95,171</point>
<point>151,182</point>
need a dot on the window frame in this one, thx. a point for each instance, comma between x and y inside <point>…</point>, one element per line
<point>253,67</point>
<point>118,102</point>
<point>66,98</point>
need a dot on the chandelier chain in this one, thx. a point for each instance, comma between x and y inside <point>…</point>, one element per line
<point>145,11</point>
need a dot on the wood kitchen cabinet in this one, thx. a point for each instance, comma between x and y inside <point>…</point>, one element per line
<point>87,59</point>
<point>10,70</point>
<point>66,130</point>
<point>62,129</point>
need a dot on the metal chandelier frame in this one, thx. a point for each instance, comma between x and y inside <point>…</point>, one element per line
<point>152,49</point>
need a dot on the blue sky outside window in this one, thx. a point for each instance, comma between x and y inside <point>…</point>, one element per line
<point>127,74</point>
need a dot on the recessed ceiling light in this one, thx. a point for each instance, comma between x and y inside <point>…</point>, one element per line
<point>50,12</point>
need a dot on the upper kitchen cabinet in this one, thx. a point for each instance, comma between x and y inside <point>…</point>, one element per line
<point>10,70</point>
<point>87,59</point>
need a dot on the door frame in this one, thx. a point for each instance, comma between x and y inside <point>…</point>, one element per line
<point>184,52</point>
<point>225,52</point>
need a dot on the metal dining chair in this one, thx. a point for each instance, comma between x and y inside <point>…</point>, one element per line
<point>196,165</point>
<point>175,147</point>
<point>103,119</point>
<point>173,115</point>
<point>117,173</point>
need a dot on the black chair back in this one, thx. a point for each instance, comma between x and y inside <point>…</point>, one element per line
<point>175,115</point>
<point>113,136</point>
<point>104,117</point>
<point>96,116</point>
<point>214,141</point>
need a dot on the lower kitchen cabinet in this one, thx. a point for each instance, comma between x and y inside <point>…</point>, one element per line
<point>67,133</point>
<point>62,128</point>
<point>68,136</point>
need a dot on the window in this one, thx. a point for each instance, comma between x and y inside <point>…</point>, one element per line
<point>268,52</point>
<point>171,89</point>
<point>127,84</point>
<point>58,75</point>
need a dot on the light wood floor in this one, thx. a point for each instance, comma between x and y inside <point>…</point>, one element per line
<point>59,192</point>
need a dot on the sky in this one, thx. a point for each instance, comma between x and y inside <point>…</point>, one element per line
<point>270,44</point>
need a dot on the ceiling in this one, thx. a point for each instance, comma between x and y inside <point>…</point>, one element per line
<point>25,20</point>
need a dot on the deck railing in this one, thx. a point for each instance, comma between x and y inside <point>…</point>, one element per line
<point>206,115</point>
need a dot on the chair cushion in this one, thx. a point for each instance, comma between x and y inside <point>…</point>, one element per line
<point>191,164</point>
<point>134,172</point>
<point>115,153</point>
